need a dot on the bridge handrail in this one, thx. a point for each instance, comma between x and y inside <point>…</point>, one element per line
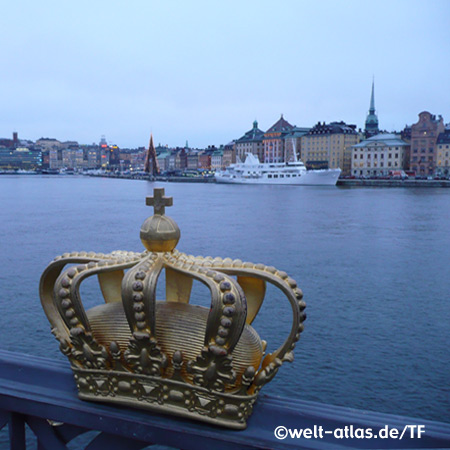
<point>34,389</point>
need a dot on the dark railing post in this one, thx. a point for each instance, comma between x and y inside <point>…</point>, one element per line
<point>17,432</point>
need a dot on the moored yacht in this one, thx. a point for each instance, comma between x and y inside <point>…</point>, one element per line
<point>252,171</point>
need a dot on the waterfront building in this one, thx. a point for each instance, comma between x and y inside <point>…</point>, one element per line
<point>329,146</point>
<point>192,160</point>
<point>45,160</point>
<point>180,159</point>
<point>172,158</point>
<point>273,141</point>
<point>371,128</point>
<point>424,135</point>
<point>138,159</point>
<point>217,159</point>
<point>443,154</point>
<point>55,159</point>
<point>204,160</point>
<point>163,158</point>
<point>73,159</point>
<point>20,158</point>
<point>293,142</point>
<point>251,142</point>
<point>104,156</point>
<point>93,157</point>
<point>379,155</point>
<point>229,154</point>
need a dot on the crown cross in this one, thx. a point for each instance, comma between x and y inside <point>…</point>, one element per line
<point>159,201</point>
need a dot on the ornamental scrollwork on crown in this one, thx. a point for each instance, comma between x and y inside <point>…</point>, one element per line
<point>213,369</point>
<point>164,393</point>
<point>144,356</point>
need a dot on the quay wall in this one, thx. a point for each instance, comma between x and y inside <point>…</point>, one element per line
<point>393,183</point>
<point>341,182</point>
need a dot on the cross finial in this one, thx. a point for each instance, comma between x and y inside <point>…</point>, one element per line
<point>159,201</point>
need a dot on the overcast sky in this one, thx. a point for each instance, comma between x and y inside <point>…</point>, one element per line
<point>202,71</point>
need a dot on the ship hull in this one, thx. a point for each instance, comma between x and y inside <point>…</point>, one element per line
<point>308,178</point>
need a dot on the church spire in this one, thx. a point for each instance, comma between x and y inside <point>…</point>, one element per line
<point>151,163</point>
<point>372,98</point>
<point>371,128</point>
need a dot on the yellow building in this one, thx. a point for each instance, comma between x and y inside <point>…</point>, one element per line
<point>443,154</point>
<point>329,146</point>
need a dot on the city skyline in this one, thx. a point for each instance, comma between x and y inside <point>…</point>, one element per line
<point>125,71</point>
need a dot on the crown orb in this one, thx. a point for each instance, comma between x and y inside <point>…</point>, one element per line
<point>160,234</point>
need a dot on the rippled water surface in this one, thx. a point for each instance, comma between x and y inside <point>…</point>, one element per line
<point>374,265</point>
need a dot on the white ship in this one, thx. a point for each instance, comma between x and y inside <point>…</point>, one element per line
<point>254,172</point>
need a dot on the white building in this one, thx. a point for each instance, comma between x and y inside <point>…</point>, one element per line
<point>380,155</point>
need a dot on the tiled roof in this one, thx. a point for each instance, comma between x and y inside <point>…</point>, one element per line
<point>282,126</point>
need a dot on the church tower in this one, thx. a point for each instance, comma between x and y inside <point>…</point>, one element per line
<point>371,128</point>
<point>151,163</point>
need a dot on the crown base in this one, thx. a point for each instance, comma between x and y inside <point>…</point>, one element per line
<point>166,396</point>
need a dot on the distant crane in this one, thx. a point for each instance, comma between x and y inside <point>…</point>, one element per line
<point>150,159</point>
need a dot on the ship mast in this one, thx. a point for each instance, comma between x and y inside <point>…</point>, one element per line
<point>294,149</point>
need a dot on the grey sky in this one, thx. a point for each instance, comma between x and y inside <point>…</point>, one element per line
<point>204,70</point>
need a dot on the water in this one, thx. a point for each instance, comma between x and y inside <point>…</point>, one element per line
<point>373,265</point>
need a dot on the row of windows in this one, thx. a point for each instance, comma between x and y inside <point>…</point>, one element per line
<point>423,150</point>
<point>390,164</point>
<point>282,176</point>
<point>375,156</point>
<point>370,172</point>
<point>422,158</point>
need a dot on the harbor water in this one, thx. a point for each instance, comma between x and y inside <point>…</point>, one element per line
<point>374,266</point>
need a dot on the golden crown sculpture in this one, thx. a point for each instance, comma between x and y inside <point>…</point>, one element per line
<point>167,356</point>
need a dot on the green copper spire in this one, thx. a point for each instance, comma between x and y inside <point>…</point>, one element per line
<point>372,99</point>
<point>371,128</point>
